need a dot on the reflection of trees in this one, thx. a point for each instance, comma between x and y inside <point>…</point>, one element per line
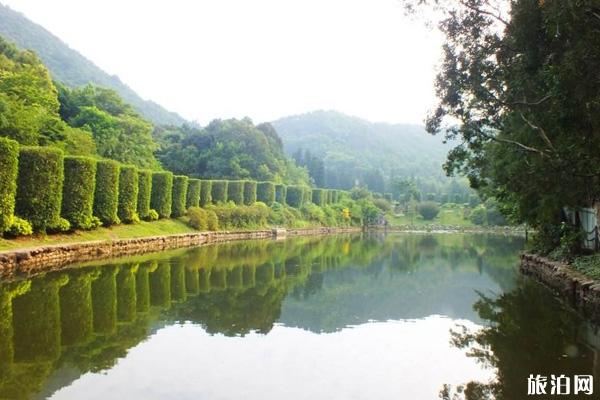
<point>529,332</point>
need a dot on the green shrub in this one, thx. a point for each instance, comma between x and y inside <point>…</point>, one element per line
<point>106,195</point>
<point>295,196</point>
<point>213,220</point>
<point>144,192</point>
<point>219,192</point>
<point>329,196</point>
<point>314,213</point>
<point>250,188</point>
<point>128,194</point>
<point>9,160</point>
<point>162,193</point>
<point>306,195</point>
<point>319,197</point>
<point>232,216</point>
<point>265,192</point>
<point>152,215</point>
<point>78,191</point>
<point>281,194</point>
<point>198,218</point>
<point>19,227</point>
<point>193,193</point>
<point>205,193</point>
<point>335,196</point>
<point>383,204</point>
<point>39,186</point>
<point>180,187</point>
<point>478,215</point>
<point>428,210</point>
<point>62,225</point>
<point>235,192</point>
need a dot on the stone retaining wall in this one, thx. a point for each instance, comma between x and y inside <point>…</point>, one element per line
<point>46,258</point>
<point>583,293</point>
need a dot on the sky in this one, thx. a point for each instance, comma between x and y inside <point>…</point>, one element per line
<point>264,59</point>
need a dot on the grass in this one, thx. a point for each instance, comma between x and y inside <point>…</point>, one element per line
<point>142,229</point>
<point>448,216</point>
<point>588,265</point>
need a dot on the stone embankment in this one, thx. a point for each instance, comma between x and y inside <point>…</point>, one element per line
<point>582,292</point>
<point>46,258</point>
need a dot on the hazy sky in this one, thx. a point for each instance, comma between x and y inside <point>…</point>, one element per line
<point>260,58</point>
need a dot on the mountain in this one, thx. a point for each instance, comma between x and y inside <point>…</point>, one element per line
<point>359,148</point>
<point>71,68</point>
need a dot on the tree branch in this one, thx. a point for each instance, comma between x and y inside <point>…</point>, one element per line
<point>491,14</point>
<point>540,130</point>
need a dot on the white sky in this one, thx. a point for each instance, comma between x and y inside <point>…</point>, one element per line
<point>264,59</point>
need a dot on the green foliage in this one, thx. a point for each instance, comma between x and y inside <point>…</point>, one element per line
<point>162,193</point>
<point>18,227</point>
<point>250,192</point>
<point>9,160</point>
<point>106,195</point>
<point>478,215</point>
<point>198,218</point>
<point>319,197</point>
<point>232,216</point>
<point>212,220</point>
<point>39,186</point>
<point>78,191</point>
<point>219,191</point>
<point>335,196</point>
<point>281,193</point>
<point>295,196</point>
<point>265,193</point>
<point>235,192</point>
<point>429,210</point>
<point>180,187</point>
<point>144,193</point>
<point>205,193</point>
<point>193,193</point>
<point>153,215</point>
<point>383,204</point>
<point>306,195</point>
<point>128,194</point>
<point>62,225</point>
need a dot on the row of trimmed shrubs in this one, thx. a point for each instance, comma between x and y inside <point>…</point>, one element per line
<point>52,192</point>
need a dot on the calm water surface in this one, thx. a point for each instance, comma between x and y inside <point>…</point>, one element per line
<point>398,316</point>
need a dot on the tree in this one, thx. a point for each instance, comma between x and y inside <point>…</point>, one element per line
<point>429,210</point>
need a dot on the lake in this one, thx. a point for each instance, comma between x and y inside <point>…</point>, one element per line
<point>357,316</point>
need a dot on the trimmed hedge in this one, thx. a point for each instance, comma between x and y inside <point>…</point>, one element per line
<point>180,187</point>
<point>39,186</point>
<point>235,192</point>
<point>9,161</point>
<point>319,197</point>
<point>128,193</point>
<point>106,195</point>
<point>193,193</point>
<point>295,196</point>
<point>78,191</point>
<point>205,193</point>
<point>161,198</point>
<point>219,192</point>
<point>249,192</point>
<point>306,195</point>
<point>281,194</point>
<point>329,196</point>
<point>265,192</point>
<point>335,196</point>
<point>144,193</point>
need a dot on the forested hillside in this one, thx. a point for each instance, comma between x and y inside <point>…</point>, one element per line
<point>71,68</point>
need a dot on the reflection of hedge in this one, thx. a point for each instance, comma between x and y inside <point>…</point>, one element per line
<point>249,192</point>
<point>126,293</point>
<point>235,192</point>
<point>205,193</point>
<point>76,307</point>
<point>144,192</point>
<point>128,193</point>
<point>78,191</point>
<point>319,197</point>
<point>9,156</point>
<point>104,300</point>
<point>280,194</point>
<point>142,285</point>
<point>106,195</point>
<point>178,292</point>
<point>193,193</point>
<point>219,191</point>
<point>160,285</point>
<point>180,187</point>
<point>162,193</point>
<point>295,196</point>
<point>39,186</point>
<point>265,192</point>
<point>36,320</point>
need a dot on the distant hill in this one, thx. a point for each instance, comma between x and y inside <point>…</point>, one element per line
<point>71,68</point>
<point>349,143</point>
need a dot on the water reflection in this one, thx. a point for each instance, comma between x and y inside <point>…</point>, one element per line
<point>58,329</point>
